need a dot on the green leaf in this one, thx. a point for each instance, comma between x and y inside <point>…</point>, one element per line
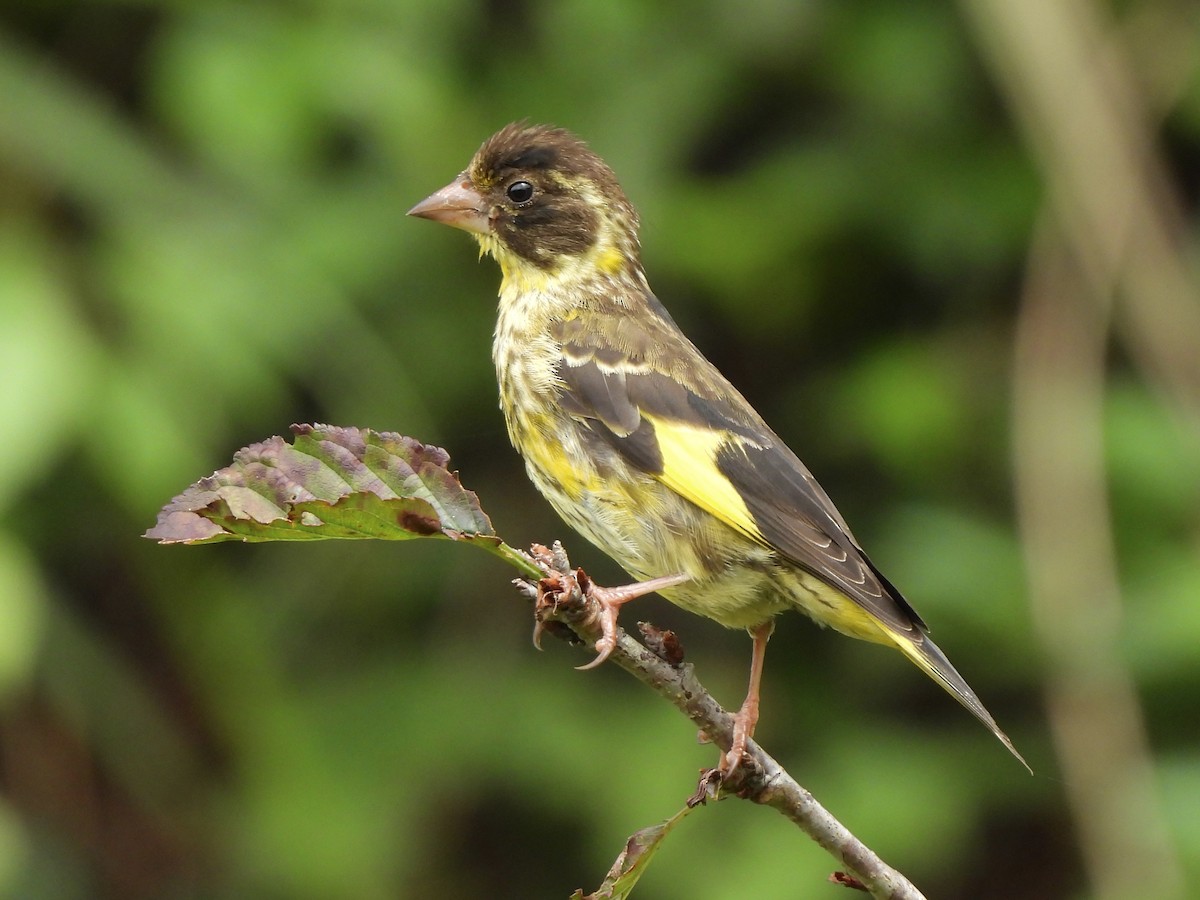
<point>329,483</point>
<point>631,865</point>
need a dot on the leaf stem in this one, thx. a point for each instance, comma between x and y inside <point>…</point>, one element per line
<point>513,557</point>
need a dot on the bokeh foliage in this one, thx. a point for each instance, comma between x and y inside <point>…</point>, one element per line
<point>202,240</point>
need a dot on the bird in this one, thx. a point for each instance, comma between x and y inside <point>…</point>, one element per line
<point>638,441</point>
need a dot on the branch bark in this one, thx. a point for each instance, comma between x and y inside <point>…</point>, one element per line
<point>765,781</point>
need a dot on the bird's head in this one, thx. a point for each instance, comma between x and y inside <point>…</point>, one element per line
<point>541,202</point>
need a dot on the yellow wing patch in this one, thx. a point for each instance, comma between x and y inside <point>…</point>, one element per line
<point>690,469</point>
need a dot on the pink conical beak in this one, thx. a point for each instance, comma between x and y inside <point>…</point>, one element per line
<point>458,204</point>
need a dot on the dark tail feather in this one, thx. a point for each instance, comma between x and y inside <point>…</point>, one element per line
<point>933,663</point>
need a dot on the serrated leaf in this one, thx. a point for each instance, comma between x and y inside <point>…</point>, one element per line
<point>329,483</point>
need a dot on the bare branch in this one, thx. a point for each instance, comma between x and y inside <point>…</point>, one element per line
<point>765,781</point>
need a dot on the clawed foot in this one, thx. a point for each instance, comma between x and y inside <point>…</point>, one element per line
<point>609,602</point>
<point>743,729</point>
<point>744,721</point>
<point>732,763</point>
<point>728,773</point>
<point>561,582</point>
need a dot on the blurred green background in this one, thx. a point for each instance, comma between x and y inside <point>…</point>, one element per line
<point>948,250</point>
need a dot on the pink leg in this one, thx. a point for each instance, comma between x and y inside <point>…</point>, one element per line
<point>747,717</point>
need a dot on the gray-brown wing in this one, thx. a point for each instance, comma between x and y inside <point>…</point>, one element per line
<point>628,381</point>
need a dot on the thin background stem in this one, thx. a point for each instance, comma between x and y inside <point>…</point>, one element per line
<point>1109,250</point>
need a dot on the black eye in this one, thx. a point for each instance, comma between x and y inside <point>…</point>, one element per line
<point>520,192</point>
